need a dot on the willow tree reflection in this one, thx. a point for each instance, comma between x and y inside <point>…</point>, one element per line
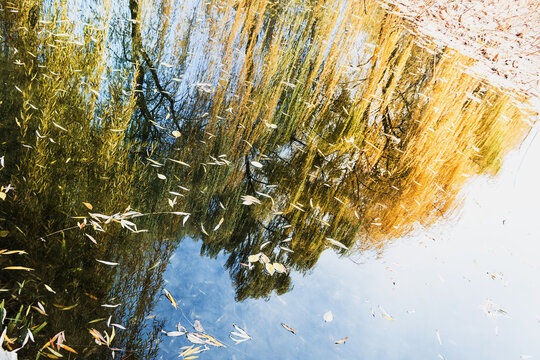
<point>63,146</point>
<point>355,138</point>
<point>360,161</point>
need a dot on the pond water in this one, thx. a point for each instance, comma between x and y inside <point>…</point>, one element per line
<point>312,176</point>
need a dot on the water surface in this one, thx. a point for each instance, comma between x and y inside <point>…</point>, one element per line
<point>258,164</point>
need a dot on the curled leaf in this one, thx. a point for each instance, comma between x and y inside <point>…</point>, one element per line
<point>171,299</point>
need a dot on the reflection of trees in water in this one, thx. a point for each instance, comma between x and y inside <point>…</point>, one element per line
<point>357,148</point>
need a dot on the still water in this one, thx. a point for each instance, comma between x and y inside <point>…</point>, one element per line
<point>238,180</point>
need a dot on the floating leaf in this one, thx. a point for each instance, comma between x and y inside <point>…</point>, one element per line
<point>91,238</point>
<point>65,308</point>
<point>492,309</point>
<point>337,243</point>
<point>2,195</point>
<point>249,200</point>
<point>19,252</point>
<point>257,164</point>
<point>285,249</point>
<point>179,162</point>
<point>88,205</point>
<point>49,288</point>
<point>328,316</point>
<point>110,263</point>
<point>161,176</point>
<point>288,328</point>
<point>190,351</point>
<point>270,268</point>
<point>18,268</point>
<point>170,297</point>
<point>197,326</point>
<point>176,134</point>
<point>279,268</point>
<point>40,309</point>
<point>263,258</point>
<point>203,230</point>
<point>240,333</point>
<point>297,207</point>
<point>192,337</point>
<point>91,296</point>
<point>65,347</point>
<point>253,258</point>
<point>175,333</point>
<point>54,352</point>
<point>210,340</point>
<point>219,224</point>
<point>342,340</point>
<point>203,339</point>
<point>111,305</point>
<point>100,340</point>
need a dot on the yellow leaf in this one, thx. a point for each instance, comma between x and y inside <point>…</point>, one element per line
<point>203,230</point>
<point>96,320</point>
<point>279,268</point>
<point>2,195</point>
<point>270,268</point>
<point>212,341</point>
<point>388,317</point>
<point>170,297</point>
<point>65,308</point>
<point>176,134</point>
<point>18,268</point>
<point>68,348</point>
<point>20,252</point>
<point>189,351</point>
<point>342,340</point>
<point>91,296</point>
<point>288,328</point>
<point>263,258</point>
<point>54,352</point>
<point>88,205</point>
